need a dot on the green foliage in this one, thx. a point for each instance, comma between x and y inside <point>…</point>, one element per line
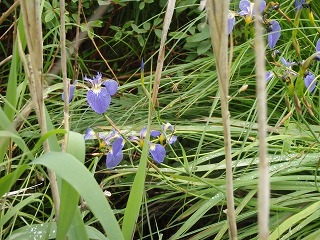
<point>183,198</point>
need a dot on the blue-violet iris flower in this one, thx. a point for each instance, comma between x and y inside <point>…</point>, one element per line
<point>164,136</point>
<point>90,134</point>
<point>318,50</point>
<point>299,4</point>
<point>247,7</point>
<point>309,81</point>
<point>99,97</point>
<point>273,33</point>
<point>157,151</point>
<point>268,76</point>
<point>231,21</point>
<point>115,154</point>
<point>71,91</point>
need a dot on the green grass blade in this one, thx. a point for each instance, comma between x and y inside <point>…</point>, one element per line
<point>77,175</point>
<point>136,193</point>
<point>14,210</point>
<point>49,229</point>
<point>7,181</point>
<point>77,230</point>
<point>11,91</point>
<point>290,222</point>
<point>206,206</point>
<point>69,197</point>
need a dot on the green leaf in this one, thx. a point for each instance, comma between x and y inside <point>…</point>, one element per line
<point>203,47</point>
<point>10,179</point>
<point>69,212</point>
<point>141,5</point>
<point>135,198</point>
<point>77,175</point>
<point>178,35</point>
<point>291,221</point>
<point>14,210</point>
<point>158,32</point>
<point>140,40</point>
<point>198,37</point>
<point>49,16</point>
<point>49,229</point>
<point>146,26</point>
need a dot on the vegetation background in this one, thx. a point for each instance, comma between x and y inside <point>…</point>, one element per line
<point>185,196</point>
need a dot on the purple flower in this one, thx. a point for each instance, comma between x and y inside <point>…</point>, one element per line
<point>286,63</point>
<point>98,97</point>
<point>318,46</point>
<point>71,92</point>
<point>246,8</point>
<point>170,138</point>
<point>268,76</point>
<point>299,4</point>
<point>157,151</point>
<point>90,134</point>
<point>317,58</point>
<point>273,33</point>
<point>115,154</point>
<point>309,81</point>
<point>231,21</point>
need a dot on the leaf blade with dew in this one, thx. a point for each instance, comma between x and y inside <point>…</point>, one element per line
<point>69,197</point>
<point>77,175</point>
<point>291,221</point>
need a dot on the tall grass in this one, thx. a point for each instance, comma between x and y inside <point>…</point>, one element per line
<point>185,197</point>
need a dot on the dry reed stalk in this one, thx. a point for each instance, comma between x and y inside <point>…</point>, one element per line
<point>33,63</point>
<point>161,54</point>
<point>263,169</point>
<point>217,12</point>
<point>66,81</point>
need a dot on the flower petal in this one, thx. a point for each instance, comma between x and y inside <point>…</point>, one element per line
<point>274,35</point>
<point>111,86</point>
<point>244,6</point>
<point>90,134</point>
<point>71,93</point>
<point>309,81</point>
<point>155,133</point>
<point>231,21</point>
<point>172,139</point>
<point>99,101</point>
<point>117,145</point>
<point>299,4</point>
<point>143,133</point>
<point>158,152</point>
<point>268,76</point>
<point>113,160</point>
<point>115,155</point>
<point>318,46</point>
<point>262,6</point>
<point>97,78</point>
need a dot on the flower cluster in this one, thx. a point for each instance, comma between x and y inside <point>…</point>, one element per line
<point>247,11</point>
<point>115,143</point>
<point>157,150</point>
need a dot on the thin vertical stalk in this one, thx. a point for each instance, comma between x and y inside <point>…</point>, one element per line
<point>161,54</point>
<point>218,17</point>
<point>31,12</point>
<point>264,178</point>
<point>66,82</point>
